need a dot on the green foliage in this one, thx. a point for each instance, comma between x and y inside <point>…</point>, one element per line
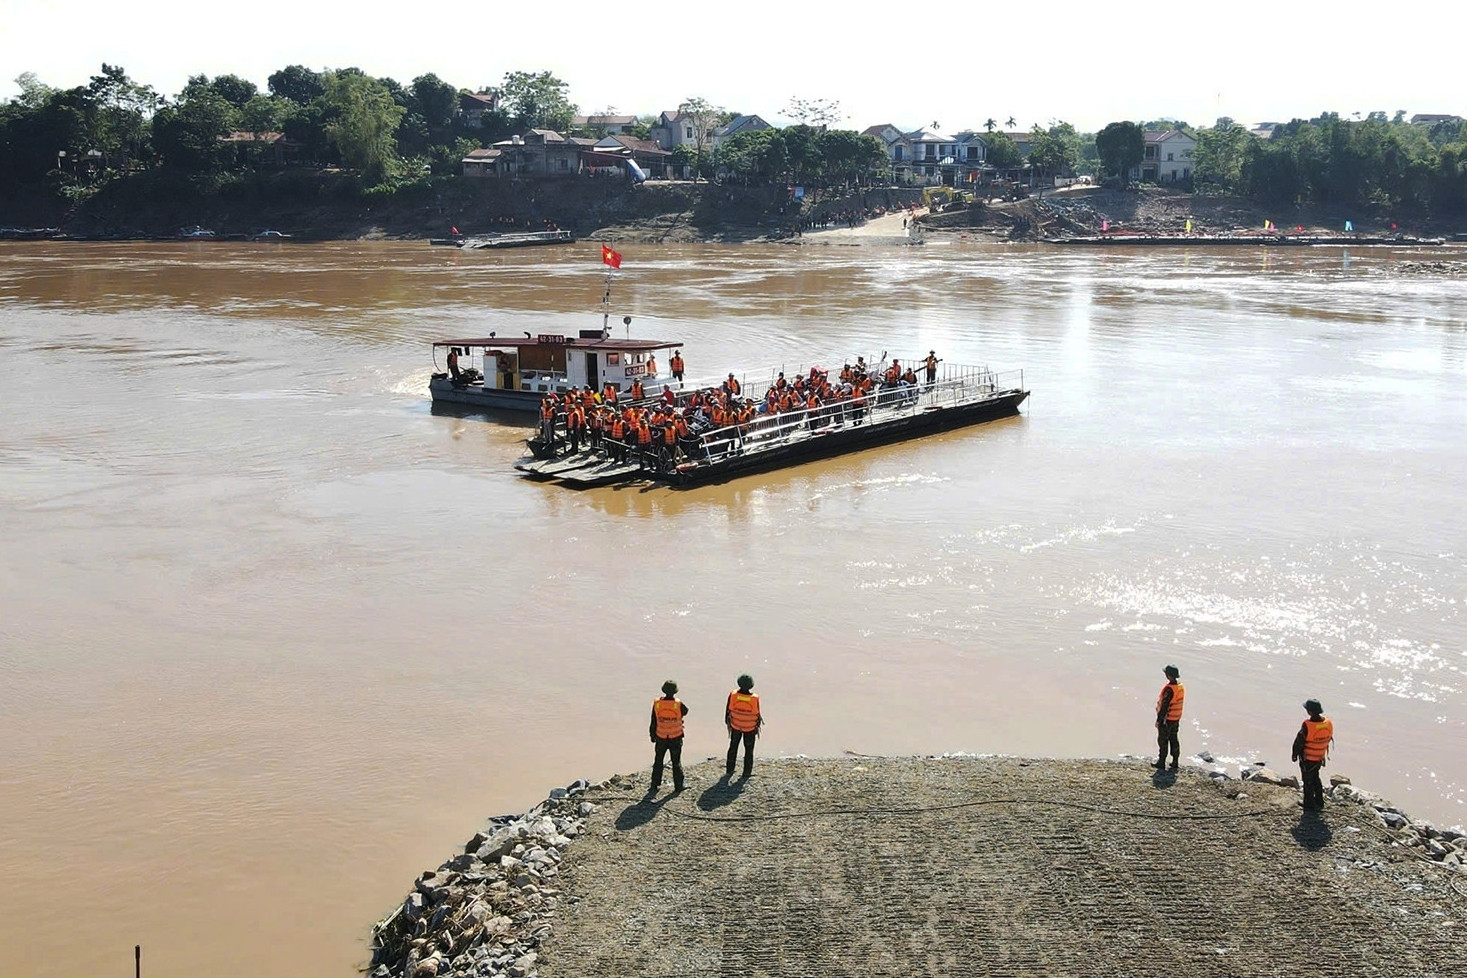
<point>1220,155</point>
<point>187,134</point>
<point>801,154</point>
<point>1372,164</point>
<point>297,83</point>
<point>1002,151</point>
<point>1055,150</point>
<point>363,122</point>
<point>536,101</point>
<point>1121,146</point>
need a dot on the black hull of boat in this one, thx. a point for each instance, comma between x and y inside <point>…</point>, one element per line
<point>846,439</point>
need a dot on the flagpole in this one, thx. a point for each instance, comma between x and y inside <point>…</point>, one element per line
<point>606,305</point>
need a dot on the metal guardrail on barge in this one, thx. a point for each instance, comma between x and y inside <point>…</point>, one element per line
<point>964,396</point>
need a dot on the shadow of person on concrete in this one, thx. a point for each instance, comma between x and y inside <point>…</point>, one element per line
<point>641,811</point>
<point>722,792</point>
<point>1312,832</point>
<point>1163,779</point>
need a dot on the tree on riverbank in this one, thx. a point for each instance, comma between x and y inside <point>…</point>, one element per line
<point>1369,164</point>
<point>1121,146</point>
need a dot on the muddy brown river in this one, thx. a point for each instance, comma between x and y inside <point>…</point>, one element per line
<point>275,636</point>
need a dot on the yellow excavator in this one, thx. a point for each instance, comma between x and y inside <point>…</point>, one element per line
<point>939,199</point>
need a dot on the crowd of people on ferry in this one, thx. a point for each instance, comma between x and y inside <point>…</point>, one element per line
<point>660,431</point>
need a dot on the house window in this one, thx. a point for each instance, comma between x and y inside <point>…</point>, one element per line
<point>1170,157</point>
<point>564,165</point>
<point>688,133</point>
<point>896,153</point>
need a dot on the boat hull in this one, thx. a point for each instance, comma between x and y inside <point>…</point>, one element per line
<point>445,391</point>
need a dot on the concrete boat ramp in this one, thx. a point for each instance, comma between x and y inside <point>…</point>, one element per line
<point>583,470</point>
<point>992,867</point>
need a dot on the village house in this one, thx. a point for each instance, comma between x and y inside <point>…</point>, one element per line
<point>612,150</point>
<point>539,151</point>
<point>262,147</point>
<point>1431,119</point>
<point>736,125</point>
<point>898,149</point>
<point>471,108</point>
<point>676,129</point>
<point>482,162</point>
<point>1166,157</point>
<point>609,125</point>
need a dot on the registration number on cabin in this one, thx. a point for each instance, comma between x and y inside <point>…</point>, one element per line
<point>548,338</point>
<point>636,369</point>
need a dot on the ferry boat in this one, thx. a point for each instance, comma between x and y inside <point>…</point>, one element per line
<point>961,396</point>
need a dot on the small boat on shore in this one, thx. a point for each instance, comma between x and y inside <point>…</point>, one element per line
<point>963,396</point>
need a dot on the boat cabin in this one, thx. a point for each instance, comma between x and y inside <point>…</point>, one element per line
<point>521,371</point>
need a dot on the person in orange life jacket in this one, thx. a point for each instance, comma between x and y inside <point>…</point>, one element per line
<point>575,426</point>
<point>666,731</point>
<point>596,426</point>
<point>652,365</point>
<point>1169,718</point>
<point>742,717</point>
<point>932,361</point>
<point>677,366</point>
<point>453,370</point>
<point>1311,748</point>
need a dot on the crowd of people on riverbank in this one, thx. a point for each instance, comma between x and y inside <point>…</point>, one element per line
<point>662,430</point>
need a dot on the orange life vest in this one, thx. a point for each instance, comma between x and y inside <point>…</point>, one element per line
<point>547,410</point>
<point>669,714</point>
<point>636,390</point>
<point>681,427</point>
<point>1317,737</point>
<point>644,433</point>
<point>618,428</point>
<point>743,711</point>
<point>677,364</point>
<point>1174,709</point>
<point>669,435</point>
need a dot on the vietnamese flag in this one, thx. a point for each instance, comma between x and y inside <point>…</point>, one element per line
<point>609,257</point>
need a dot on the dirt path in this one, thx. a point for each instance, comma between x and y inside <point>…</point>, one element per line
<point>998,867</point>
<point>888,227</point>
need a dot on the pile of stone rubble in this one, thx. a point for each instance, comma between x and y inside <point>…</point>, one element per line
<point>1445,846</point>
<point>484,912</point>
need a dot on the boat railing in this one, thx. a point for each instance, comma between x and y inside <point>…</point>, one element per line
<point>964,385</point>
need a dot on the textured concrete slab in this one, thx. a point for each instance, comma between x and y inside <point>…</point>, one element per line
<point>1001,867</point>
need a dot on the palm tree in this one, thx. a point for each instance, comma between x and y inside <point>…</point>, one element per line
<point>1011,123</point>
<point>990,124</point>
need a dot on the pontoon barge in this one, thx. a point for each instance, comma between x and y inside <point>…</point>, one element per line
<point>963,396</point>
<point>515,374</point>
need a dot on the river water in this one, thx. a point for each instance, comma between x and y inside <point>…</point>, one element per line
<point>275,637</point>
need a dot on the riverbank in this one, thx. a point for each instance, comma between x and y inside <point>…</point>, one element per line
<point>942,865</point>
<point>321,205</point>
